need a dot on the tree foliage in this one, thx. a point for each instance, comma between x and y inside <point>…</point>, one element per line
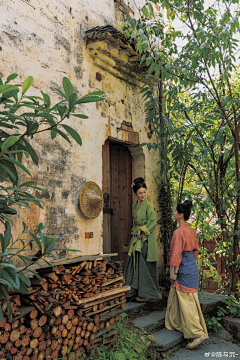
<point>21,118</point>
<point>198,131</point>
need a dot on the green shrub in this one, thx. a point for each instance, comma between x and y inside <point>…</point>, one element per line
<point>213,324</point>
<point>231,308</point>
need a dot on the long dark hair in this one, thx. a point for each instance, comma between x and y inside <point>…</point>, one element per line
<point>138,183</point>
<point>185,209</point>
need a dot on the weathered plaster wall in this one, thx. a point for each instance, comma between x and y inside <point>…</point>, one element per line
<point>45,39</point>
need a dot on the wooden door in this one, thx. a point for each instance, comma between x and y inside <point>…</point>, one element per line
<point>117,216</point>
<point>121,197</point>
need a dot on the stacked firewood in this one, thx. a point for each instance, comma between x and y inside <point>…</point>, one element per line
<point>85,280</point>
<point>72,311</point>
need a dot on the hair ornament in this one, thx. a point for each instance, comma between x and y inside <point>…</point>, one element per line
<point>133,184</point>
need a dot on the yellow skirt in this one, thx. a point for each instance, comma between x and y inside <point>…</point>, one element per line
<point>184,314</point>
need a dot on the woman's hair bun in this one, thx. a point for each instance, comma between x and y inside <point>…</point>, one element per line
<point>185,209</point>
<point>138,183</point>
<point>138,180</point>
<point>187,205</point>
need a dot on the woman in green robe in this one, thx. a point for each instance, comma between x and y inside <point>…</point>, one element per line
<point>141,268</point>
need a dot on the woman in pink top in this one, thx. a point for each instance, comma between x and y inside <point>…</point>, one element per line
<point>183,309</point>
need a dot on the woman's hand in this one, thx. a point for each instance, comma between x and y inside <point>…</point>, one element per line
<point>173,272</point>
<point>139,234</point>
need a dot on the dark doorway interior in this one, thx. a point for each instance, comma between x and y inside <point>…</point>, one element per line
<point>117,211</point>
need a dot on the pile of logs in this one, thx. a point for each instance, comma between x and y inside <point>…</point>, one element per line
<point>72,311</point>
<point>85,280</point>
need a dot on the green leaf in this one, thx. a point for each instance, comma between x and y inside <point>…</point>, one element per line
<point>63,135</point>
<point>61,109</point>
<point>11,77</point>
<point>28,183</point>
<point>2,240</point>
<point>8,265</point>
<point>13,169</point>
<point>40,227</point>
<point>38,188</point>
<point>5,88</point>
<point>7,299</point>
<point>10,275</point>
<point>7,235</point>
<point>8,171</point>
<point>15,151</point>
<point>32,153</point>
<point>47,116</point>
<point>10,93</point>
<point>72,100</point>
<point>3,124</point>
<point>23,288</point>
<point>25,279</point>
<point>82,116</point>
<point>13,273</point>
<point>27,84</point>
<point>46,99</point>
<point>61,93</point>
<point>68,88</point>
<point>145,11</point>
<point>89,98</point>
<point>73,133</point>
<point>17,163</point>
<point>53,133</point>
<point>236,185</point>
<point>7,253</point>
<point>36,240</point>
<point>37,275</point>
<point>5,282</point>
<point>8,142</point>
<point>96,93</point>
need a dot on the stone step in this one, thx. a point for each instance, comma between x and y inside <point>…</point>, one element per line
<point>151,317</point>
<point>210,301</point>
<point>232,324</point>
<point>209,348</point>
<point>133,309</point>
<point>167,339</point>
<point>151,322</point>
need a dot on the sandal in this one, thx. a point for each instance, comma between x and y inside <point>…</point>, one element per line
<point>196,342</point>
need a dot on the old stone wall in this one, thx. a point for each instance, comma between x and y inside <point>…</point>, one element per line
<point>45,39</point>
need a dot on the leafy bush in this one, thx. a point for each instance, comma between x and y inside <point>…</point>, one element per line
<point>231,308</point>
<point>21,118</point>
<point>213,324</point>
<point>129,343</point>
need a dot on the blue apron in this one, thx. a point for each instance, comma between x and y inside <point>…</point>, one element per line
<point>188,271</point>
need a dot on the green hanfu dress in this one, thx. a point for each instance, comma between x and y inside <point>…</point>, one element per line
<point>141,268</point>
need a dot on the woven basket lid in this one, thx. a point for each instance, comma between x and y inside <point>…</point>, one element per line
<point>91,200</point>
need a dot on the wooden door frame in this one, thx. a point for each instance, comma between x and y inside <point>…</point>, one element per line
<point>106,180</point>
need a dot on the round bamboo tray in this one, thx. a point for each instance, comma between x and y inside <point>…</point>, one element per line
<point>91,200</point>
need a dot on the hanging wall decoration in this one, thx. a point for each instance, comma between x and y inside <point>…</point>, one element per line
<point>91,200</point>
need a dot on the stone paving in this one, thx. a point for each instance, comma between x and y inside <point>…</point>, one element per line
<point>171,344</point>
<point>212,348</point>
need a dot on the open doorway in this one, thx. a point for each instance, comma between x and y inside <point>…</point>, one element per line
<point>117,190</point>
